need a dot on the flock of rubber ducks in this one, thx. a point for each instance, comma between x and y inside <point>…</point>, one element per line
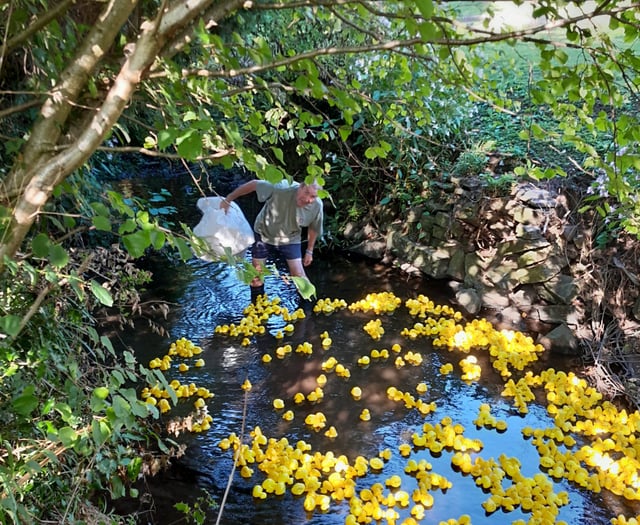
<point>158,396</point>
<point>593,444</point>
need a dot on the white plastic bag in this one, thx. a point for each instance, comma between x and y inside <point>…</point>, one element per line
<point>222,230</point>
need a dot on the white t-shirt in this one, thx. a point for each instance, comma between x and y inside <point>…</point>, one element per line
<point>280,221</point>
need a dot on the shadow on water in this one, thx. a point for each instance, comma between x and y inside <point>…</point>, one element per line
<point>209,294</point>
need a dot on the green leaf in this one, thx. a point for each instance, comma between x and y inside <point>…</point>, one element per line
<point>428,31</point>
<point>425,7</point>
<point>100,209</point>
<point>67,436</point>
<point>69,222</point>
<point>101,392</point>
<point>58,256</point>
<point>371,153</point>
<point>141,409</point>
<point>305,287</point>
<point>133,469</point>
<point>40,245</point>
<point>158,238</point>
<point>127,226</point>
<point>166,137</point>
<point>136,243</point>
<point>100,431</point>
<point>278,154</point>
<point>344,131</point>
<point>101,223</point>
<point>10,325</point>
<point>118,489</point>
<point>106,342</point>
<point>101,293</point>
<point>189,115</point>
<point>183,249</point>
<point>120,407</point>
<point>26,402</point>
<point>182,507</point>
<point>273,174</point>
<point>118,378</point>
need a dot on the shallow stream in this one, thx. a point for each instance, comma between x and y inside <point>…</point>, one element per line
<point>208,295</point>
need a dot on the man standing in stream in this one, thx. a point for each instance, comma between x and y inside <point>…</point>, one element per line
<point>278,227</point>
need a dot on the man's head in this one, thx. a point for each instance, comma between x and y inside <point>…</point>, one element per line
<point>307,193</point>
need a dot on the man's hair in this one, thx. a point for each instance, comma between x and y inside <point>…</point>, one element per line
<point>313,184</point>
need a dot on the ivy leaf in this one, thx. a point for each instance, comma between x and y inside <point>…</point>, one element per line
<point>101,293</point>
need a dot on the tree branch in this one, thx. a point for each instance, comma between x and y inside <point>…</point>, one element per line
<point>159,154</point>
<point>19,108</point>
<point>284,62</point>
<point>33,27</point>
<point>57,107</point>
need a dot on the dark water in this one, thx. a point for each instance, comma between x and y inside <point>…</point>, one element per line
<point>209,294</point>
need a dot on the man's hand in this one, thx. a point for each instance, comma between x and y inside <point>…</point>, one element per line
<point>225,205</point>
<point>308,258</point>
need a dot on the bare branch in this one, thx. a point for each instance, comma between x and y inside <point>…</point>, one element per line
<point>159,154</point>
<point>19,108</point>
<point>351,24</point>
<point>326,51</point>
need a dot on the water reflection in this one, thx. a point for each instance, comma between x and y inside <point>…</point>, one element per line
<point>210,294</point>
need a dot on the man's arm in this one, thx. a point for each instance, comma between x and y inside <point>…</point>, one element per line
<point>312,235</point>
<point>240,191</point>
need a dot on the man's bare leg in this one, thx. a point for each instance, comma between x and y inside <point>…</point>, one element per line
<point>256,285</point>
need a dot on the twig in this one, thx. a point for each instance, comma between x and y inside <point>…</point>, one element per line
<point>235,459</point>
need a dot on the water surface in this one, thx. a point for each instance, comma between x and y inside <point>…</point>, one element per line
<point>207,295</point>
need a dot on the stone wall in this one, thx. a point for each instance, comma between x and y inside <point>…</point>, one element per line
<point>509,257</point>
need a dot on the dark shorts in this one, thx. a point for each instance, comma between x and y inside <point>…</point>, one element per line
<point>261,250</point>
